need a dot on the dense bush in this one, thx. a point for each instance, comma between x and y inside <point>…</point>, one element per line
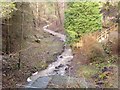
<point>81,18</point>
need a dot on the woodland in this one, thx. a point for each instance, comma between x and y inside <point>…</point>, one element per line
<point>59,44</point>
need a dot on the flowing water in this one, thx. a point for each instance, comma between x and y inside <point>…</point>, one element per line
<point>58,67</point>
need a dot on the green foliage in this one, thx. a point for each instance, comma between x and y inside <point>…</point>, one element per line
<point>7,8</point>
<point>82,18</point>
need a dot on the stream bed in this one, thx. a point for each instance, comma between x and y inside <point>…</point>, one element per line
<point>59,67</point>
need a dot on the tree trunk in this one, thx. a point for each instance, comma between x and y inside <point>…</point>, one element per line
<point>7,38</point>
<point>59,15</point>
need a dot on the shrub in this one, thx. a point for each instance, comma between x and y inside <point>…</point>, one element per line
<point>81,18</point>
